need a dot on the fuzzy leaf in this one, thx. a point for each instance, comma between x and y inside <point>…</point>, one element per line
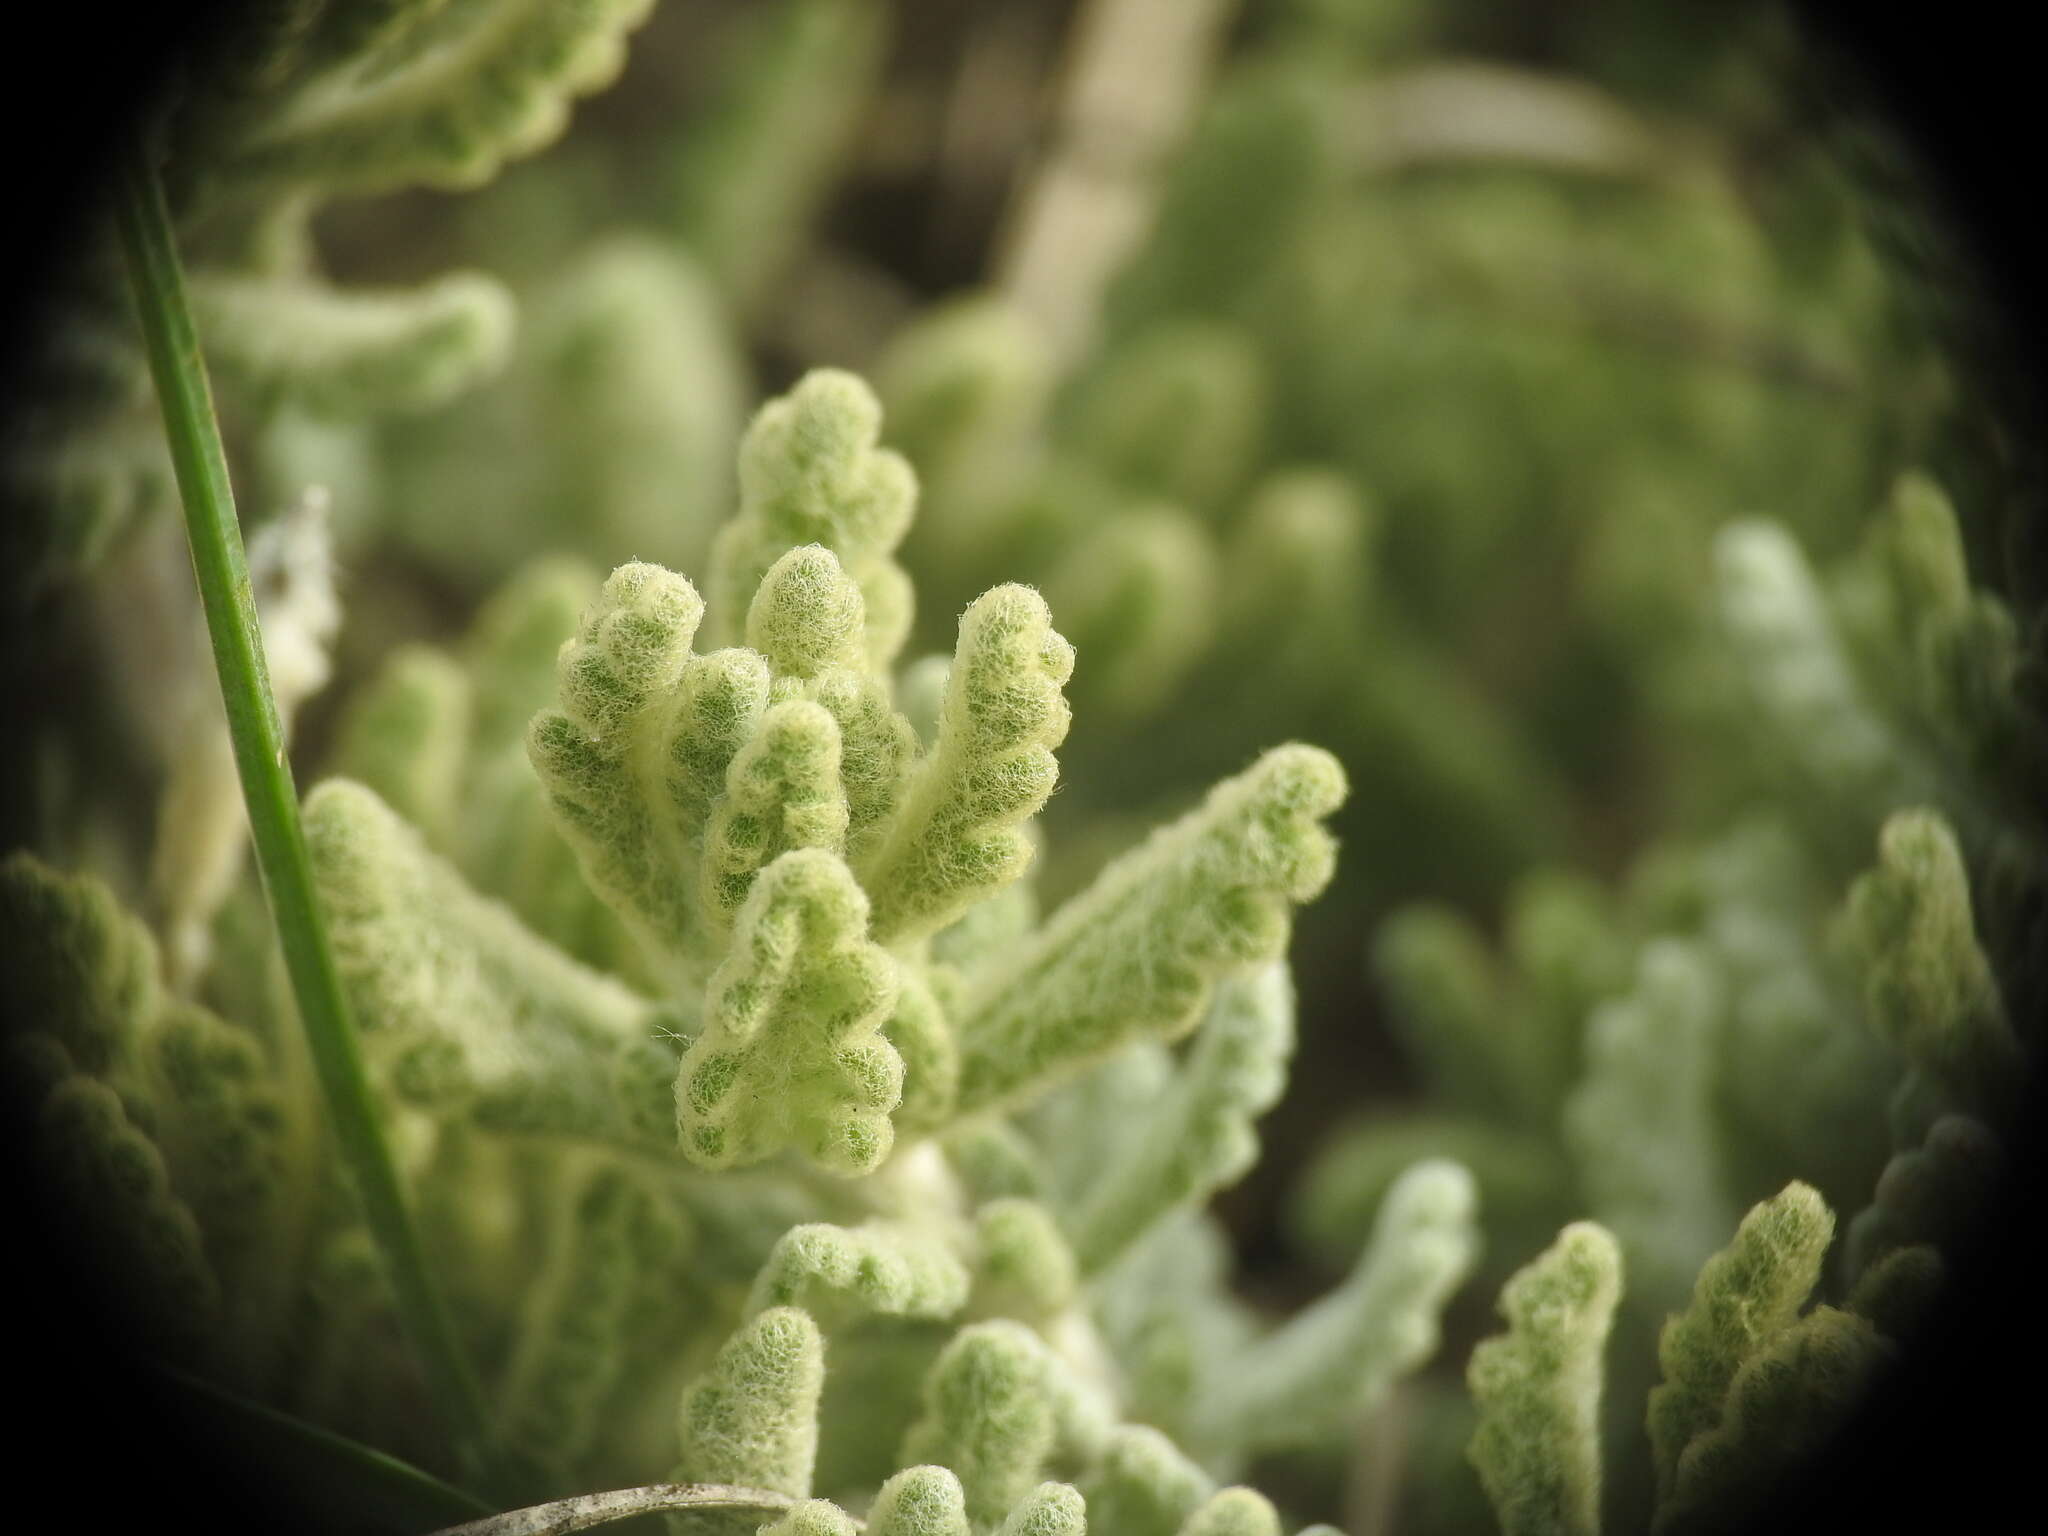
<point>600,754</point>
<point>575,1341</point>
<point>876,1270</point>
<point>1937,1193</point>
<point>921,1035</point>
<point>80,970</point>
<point>439,97</point>
<point>1928,986</point>
<point>1050,1509</point>
<point>1899,1292</point>
<point>956,838</point>
<point>811,473</point>
<point>813,1517</point>
<point>1024,1268</point>
<point>920,1501</point>
<point>468,1007</point>
<point>782,791</point>
<point>792,1052</point>
<point>1746,1294</point>
<point>1786,1404</point>
<point>1538,1388</point>
<point>1234,1512</point>
<point>347,353</point>
<point>1143,1485</point>
<point>751,1420</point>
<point>1640,1124</point>
<point>138,1234</point>
<point>987,1416</point>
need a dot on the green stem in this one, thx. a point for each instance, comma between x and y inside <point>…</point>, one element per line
<point>223,573</point>
<point>380,1489</point>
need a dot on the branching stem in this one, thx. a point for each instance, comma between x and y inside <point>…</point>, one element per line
<point>560,1517</point>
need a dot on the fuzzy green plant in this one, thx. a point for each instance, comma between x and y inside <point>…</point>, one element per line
<point>783,1035</point>
<point>839,973</point>
<point>1538,1387</point>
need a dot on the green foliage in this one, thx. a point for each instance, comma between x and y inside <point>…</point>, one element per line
<point>1144,1485</point>
<point>804,1077</point>
<point>1134,955</point>
<point>1934,1193</point>
<point>875,1270</point>
<point>1051,1509</point>
<point>578,1327</point>
<point>1787,1402</point>
<point>347,354</point>
<point>1641,1121</point>
<point>791,1051</point>
<point>1746,1295</point>
<point>1538,1386</point>
<point>792,81</point>
<point>1234,1512</point>
<point>920,1501</point>
<point>99,1162</point>
<point>751,1420</point>
<point>83,969</point>
<point>1199,1139</point>
<point>465,1007</point>
<point>1928,987</point>
<point>437,94</point>
<point>987,1416</point>
<point>810,473</point>
<point>957,839</point>
<point>1336,1360</point>
<point>830,911</point>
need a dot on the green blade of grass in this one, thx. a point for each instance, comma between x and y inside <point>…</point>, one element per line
<point>223,572</point>
<point>378,1491</point>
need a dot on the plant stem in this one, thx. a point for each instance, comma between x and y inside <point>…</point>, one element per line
<point>585,1510</point>
<point>222,569</point>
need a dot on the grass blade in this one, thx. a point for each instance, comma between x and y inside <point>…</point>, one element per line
<point>371,1490</point>
<point>157,282</point>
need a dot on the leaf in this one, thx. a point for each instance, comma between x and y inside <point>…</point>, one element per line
<point>811,473</point>
<point>1137,952</point>
<point>1746,1294</point>
<point>346,353</point>
<point>842,1274</point>
<point>987,1416</point>
<point>1328,1366</point>
<point>1537,1447</point>
<point>441,96</point>
<point>752,1418</point>
<point>955,840</point>
<point>1197,1134</point>
<point>792,1053</point>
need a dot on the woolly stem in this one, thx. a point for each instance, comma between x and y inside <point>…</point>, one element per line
<point>222,569</point>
